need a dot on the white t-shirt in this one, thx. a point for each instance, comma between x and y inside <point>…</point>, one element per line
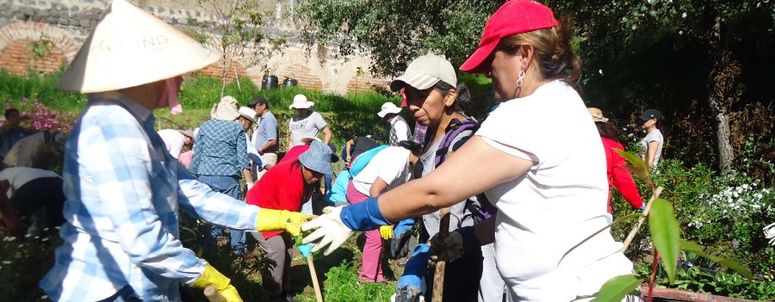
<point>19,176</point>
<point>391,165</point>
<point>560,201</point>
<point>653,136</point>
<point>173,140</point>
<point>309,126</point>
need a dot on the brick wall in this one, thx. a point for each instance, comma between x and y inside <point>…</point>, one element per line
<point>216,70</point>
<point>18,59</point>
<point>303,74</point>
<point>66,23</point>
<point>366,82</point>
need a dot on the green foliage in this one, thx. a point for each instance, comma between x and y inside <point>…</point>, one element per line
<point>342,286</point>
<point>41,47</point>
<point>698,279</point>
<point>616,289</point>
<point>14,90</point>
<point>24,262</point>
<point>409,28</point>
<point>694,248</point>
<point>665,234</point>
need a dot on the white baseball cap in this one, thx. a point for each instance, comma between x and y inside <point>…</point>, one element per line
<point>424,72</point>
<point>388,108</point>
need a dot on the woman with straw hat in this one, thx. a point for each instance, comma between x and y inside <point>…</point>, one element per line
<point>123,189</point>
<point>545,170</point>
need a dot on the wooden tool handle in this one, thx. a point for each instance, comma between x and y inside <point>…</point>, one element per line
<point>212,294</point>
<point>314,275</point>
<point>438,276</point>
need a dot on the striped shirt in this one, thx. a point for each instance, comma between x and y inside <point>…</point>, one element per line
<point>123,193</point>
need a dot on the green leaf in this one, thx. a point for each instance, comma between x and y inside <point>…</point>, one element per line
<point>615,289</point>
<point>665,234</point>
<point>695,248</point>
<point>638,167</point>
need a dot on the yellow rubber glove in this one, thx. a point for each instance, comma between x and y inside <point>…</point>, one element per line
<point>213,277</point>
<point>273,220</point>
<point>386,231</point>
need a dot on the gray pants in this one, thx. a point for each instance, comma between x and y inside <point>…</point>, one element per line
<point>276,276</point>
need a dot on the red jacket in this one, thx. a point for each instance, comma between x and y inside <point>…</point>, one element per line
<point>281,188</point>
<point>619,176</point>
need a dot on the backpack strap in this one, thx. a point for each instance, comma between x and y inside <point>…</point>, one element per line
<point>454,129</point>
<point>480,208</point>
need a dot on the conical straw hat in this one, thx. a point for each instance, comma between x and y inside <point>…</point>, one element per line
<point>130,47</point>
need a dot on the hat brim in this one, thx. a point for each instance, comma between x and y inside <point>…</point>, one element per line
<point>116,56</point>
<point>644,117</point>
<point>474,63</point>
<point>251,119</point>
<point>382,113</point>
<point>418,81</point>
<point>306,105</point>
<point>188,133</point>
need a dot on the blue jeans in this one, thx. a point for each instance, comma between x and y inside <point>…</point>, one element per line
<point>228,185</point>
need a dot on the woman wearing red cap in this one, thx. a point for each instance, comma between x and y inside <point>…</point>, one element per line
<point>544,169</point>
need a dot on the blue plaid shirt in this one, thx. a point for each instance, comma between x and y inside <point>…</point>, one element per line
<point>220,148</point>
<point>123,192</point>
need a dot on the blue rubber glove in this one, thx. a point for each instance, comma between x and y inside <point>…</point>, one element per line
<point>416,267</point>
<point>403,226</point>
<point>363,216</point>
<point>410,285</point>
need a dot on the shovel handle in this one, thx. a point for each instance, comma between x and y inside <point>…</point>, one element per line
<point>212,294</point>
<point>438,276</point>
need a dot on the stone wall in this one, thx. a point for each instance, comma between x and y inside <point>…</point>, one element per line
<point>62,25</point>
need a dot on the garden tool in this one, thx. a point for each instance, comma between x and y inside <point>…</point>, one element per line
<point>438,276</point>
<point>635,229</point>
<point>306,252</point>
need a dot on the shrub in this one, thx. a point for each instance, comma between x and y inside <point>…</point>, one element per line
<point>342,286</point>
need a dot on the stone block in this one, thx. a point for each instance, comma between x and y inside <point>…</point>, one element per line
<point>83,23</point>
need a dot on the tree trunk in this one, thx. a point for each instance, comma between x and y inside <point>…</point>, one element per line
<point>725,151</point>
<point>725,89</point>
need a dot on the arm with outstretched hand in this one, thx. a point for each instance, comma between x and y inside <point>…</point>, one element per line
<point>338,223</point>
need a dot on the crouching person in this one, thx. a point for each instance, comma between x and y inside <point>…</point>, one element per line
<point>122,188</point>
<point>286,187</point>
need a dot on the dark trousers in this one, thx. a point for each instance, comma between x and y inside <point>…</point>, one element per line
<point>41,193</point>
<point>461,278</point>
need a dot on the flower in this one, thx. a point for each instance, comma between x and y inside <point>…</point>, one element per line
<point>683,15</point>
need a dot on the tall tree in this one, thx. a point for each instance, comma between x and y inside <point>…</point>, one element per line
<point>238,32</point>
<point>395,31</point>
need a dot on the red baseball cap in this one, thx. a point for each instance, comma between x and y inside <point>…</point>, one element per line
<point>513,17</point>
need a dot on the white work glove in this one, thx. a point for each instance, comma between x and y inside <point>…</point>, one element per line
<point>329,230</point>
<point>769,233</point>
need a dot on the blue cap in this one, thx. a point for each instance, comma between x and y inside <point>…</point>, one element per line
<point>317,158</point>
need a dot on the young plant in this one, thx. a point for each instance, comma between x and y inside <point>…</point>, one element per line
<point>666,239</point>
